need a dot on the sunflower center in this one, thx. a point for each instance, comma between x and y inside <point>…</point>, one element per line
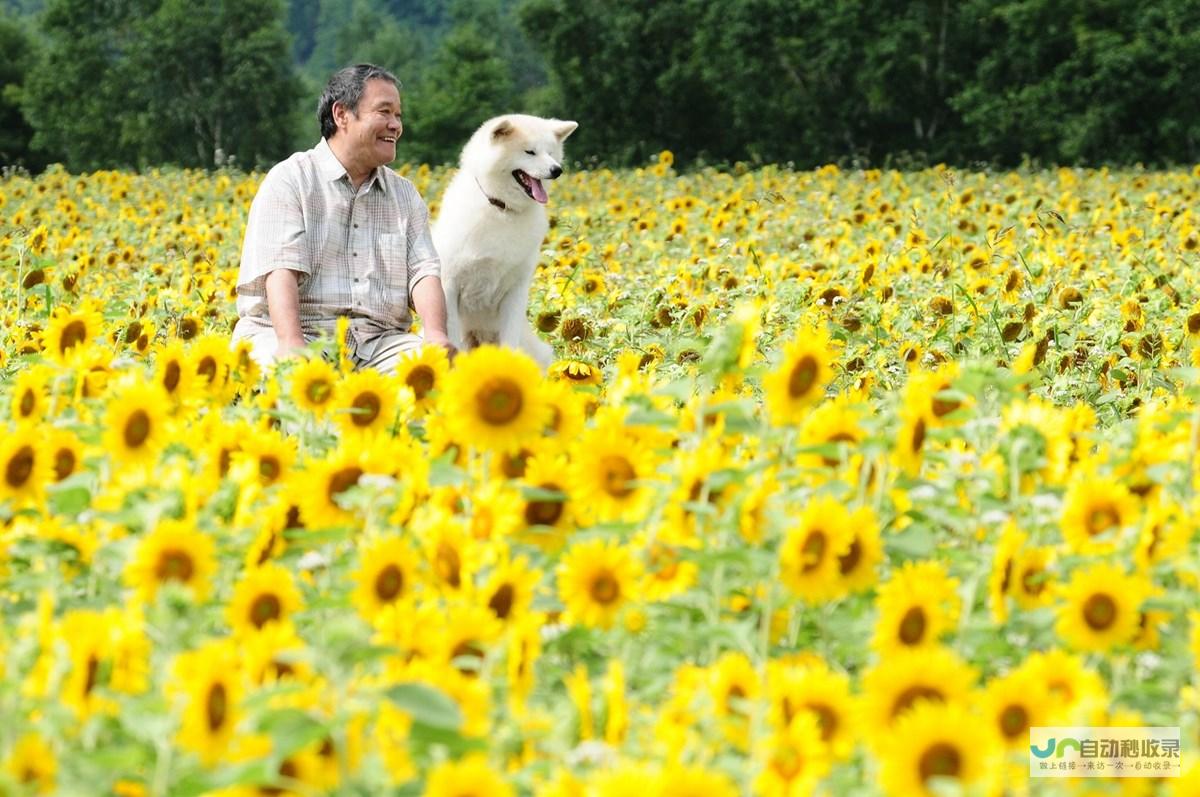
<point>848,561</point>
<point>171,376</point>
<point>389,583</point>
<point>366,408</point>
<point>469,649</point>
<point>269,468</point>
<point>943,407</point>
<point>616,474</point>
<point>73,334</point>
<point>912,626</point>
<point>265,609</point>
<point>605,588</point>
<point>216,707</point>
<point>1006,578</point>
<point>1099,612</point>
<point>28,402</point>
<point>343,480</point>
<point>813,551</point>
<point>543,513</point>
<point>64,463</point>
<point>137,428</point>
<point>501,602</point>
<point>207,369</point>
<point>940,760</point>
<point>93,669</point>
<point>803,377</point>
<point>174,565</point>
<point>318,391</point>
<point>421,380</point>
<point>1032,581</point>
<point>499,401</point>
<point>918,435</point>
<point>826,718</point>
<point>1014,720</point>
<point>914,693</point>
<point>1100,519</point>
<point>787,762</point>
<point>19,467</point>
<point>449,565</point>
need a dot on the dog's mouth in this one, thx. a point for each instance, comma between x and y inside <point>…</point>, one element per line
<point>531,186</point>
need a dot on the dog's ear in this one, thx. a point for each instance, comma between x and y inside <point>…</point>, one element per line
<point>502,130</point>
<point>564,129</point>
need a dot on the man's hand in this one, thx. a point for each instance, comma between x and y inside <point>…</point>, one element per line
<point>430,304</point>
<point>432,338</point>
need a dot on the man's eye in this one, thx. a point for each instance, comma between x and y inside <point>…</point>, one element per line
<point>530,152</point>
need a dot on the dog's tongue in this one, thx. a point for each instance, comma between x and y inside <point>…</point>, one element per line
<point>535,187</point>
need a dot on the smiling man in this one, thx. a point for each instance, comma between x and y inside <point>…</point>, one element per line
<point>334,232</point>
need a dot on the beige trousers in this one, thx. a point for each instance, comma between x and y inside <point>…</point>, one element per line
<point>382,353</point>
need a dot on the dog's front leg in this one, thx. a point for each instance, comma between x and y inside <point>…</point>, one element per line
<point>454,329</point>
<point>512,315</point>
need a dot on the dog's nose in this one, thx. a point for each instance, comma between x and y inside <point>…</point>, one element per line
<point>555,171</point>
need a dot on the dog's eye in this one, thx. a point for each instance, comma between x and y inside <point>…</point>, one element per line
<point>530,152</point>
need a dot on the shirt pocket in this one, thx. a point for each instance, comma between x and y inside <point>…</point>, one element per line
<point>392,256</point>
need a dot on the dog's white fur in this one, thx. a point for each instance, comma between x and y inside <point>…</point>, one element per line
<point>489,230</point>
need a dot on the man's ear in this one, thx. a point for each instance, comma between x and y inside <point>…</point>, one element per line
<point>340,113</point>
<point>503,130</point>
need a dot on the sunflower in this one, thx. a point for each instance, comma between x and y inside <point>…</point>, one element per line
<point>208,681</point>
<point>386,575</point>
<point>910,441</point>
<point>470,776</point>
<point>813,688</point>
<point>210,361</point>
<point>86,635</point>
<point>423,371</point>
<point>1100,607</point>
<point>1032,585</point>
<point>1096,513</point>
<point>452,554</point>
<point>1002,580</point>
<point>934,394</point>
<point>493,399</point>
<point>268,455</point>
<point>312,385</point>
<point>366,402</point>
<point>792,759</point>
<point>174,552</point>
<point>32,764</point>
<point>799,380</point>
<point>27,465</point>
<point>933,745</point>
<point>547,510</point>
<point>1014,703</point>
<point>695,781</point>
<point>858,567</point>
<point>595,580</point>
<point>1164,535</point>
<point>30,394</point>
<point>624,779</point>
<point>172,371</point>
<point>264,596</point>
<point>65,451</point>
<point>575,372</point>
<point>494,511</point>
<point>136,423</point>
<point>917,606</point>
<point>809,555</point>
<point>70,331</point>
<point>834,426</point>
<point>610,471</point>
<point>466,635</point>
<point>907,678</point>
<point>1072,687</point>
<point>667,573</point>
<point>323,482</point>
<point>565,414</point>
<point>509,589</point>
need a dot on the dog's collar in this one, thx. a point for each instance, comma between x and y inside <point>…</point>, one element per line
<point>491,199</point>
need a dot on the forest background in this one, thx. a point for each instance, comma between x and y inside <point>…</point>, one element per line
<point>990,83</point>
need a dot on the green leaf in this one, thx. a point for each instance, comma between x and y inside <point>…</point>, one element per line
<point>426,705</point>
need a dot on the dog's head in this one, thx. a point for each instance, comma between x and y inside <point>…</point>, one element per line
<point>515,155</point>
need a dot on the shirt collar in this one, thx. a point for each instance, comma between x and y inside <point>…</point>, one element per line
<point>331,169</point>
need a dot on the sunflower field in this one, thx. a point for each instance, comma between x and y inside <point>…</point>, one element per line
<point>843,480</point>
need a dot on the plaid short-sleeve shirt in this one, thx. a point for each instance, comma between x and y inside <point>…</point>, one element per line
<point>359,253</point>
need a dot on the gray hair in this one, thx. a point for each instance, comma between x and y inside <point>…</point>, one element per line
<point>347,86</point>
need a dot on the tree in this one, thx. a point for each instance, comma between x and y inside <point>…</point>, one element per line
<point>16,56</point>
<point>139,82</point>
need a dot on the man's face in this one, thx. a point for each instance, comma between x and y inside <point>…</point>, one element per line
<point>371,133</point>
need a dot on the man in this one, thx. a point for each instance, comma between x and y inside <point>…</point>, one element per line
<point>334,232</point>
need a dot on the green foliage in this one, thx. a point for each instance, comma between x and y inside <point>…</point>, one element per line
<point>139,82</point>
<point>16,56</point>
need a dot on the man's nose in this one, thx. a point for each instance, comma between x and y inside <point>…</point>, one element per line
<point>555,171</point>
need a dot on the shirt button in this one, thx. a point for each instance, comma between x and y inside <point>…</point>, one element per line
<point>356,226</point>
<point>356,254</point>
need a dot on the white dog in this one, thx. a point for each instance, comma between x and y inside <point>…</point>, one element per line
<point>491,226</point>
